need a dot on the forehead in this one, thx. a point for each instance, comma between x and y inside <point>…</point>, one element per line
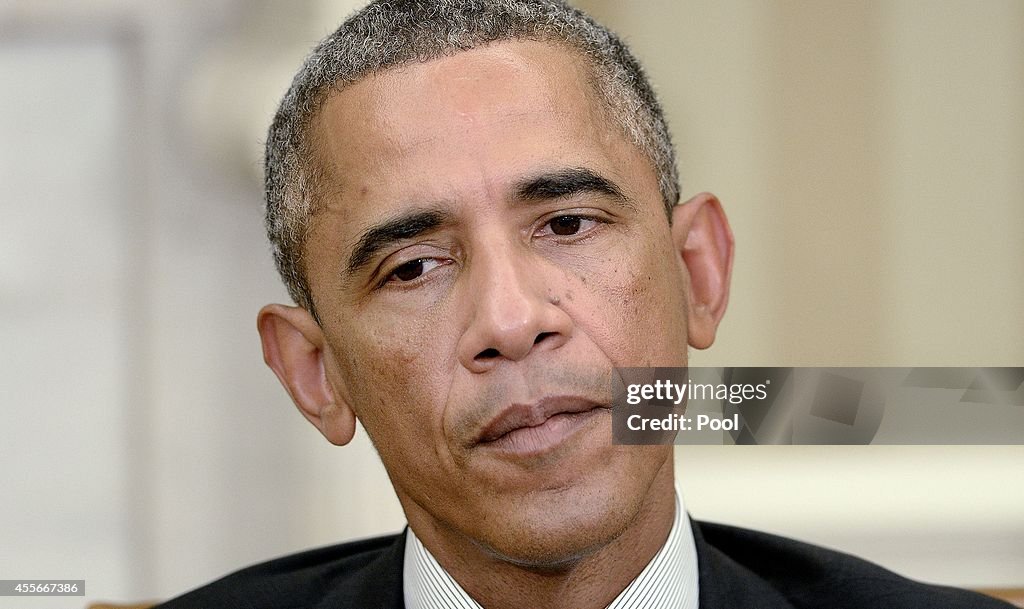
<point>529,75</point>
<point>420,108</point>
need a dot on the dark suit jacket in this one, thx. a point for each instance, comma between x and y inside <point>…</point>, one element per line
<point>739,569</point>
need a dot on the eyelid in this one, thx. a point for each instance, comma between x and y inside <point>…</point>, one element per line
<point>590,215</point>
<point>386,277</point>
<point>383,268</point>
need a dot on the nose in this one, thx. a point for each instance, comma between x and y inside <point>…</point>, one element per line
<point>513,310</point>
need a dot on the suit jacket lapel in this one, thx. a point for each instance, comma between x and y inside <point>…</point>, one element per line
<point>378,586</point>
<point>726,584</point>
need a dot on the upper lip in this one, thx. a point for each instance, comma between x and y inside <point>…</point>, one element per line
<point>517,416</point>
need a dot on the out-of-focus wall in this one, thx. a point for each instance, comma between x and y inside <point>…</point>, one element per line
<point>870,157</point>
<point>145,447</point>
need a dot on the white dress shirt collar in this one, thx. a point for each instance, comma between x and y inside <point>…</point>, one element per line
<point>669,581</point>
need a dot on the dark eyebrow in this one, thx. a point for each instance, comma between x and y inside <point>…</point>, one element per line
<point>569,182</point>
<point>392,230</point>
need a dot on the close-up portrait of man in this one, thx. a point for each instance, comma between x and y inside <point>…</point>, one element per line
<point>511,304</point>
<point>476,207</point>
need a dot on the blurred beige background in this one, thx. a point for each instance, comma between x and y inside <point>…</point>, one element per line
<point>870,155</point>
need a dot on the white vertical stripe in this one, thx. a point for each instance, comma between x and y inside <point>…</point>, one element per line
<point>669,581</point>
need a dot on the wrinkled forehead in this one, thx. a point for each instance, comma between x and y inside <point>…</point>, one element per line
<point>390,114</point>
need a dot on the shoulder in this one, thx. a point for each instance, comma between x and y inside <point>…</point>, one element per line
<point>805,576</point>
<point>360,573</point>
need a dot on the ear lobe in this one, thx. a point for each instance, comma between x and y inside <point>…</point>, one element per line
<point>293,347</point>
<point>704,240</point>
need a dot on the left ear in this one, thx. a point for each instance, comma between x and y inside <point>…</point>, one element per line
<point>701,234</point>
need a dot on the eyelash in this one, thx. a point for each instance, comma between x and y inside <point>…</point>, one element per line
<point>387,279</point>
<point>579,217</point>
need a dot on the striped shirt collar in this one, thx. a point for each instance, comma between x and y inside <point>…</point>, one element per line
<point>669,581</point>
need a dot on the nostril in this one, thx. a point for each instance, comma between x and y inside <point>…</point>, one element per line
<point>488,354</point>
<point>542,336</point>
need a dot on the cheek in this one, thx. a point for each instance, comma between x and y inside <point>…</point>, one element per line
<point>640,304</point>
<point>394,374</point>
<point>393,350</point>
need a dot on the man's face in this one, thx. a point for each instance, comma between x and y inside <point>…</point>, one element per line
<point>491,247</point>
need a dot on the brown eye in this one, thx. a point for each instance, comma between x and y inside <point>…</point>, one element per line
<point>410,270</point>
<point>565,225</point>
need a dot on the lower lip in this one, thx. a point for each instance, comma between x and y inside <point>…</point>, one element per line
<point>531,441</point>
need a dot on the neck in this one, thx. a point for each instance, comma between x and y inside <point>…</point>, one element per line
<point>581,582</point>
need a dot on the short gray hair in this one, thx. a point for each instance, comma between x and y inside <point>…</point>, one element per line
<point>390,33</point>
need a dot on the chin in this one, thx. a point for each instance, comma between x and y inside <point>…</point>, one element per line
<point>555,529</point>
<point>556,549</point>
